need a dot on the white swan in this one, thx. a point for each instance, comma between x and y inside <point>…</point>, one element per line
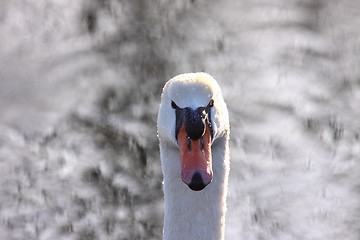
<point>193,130</point>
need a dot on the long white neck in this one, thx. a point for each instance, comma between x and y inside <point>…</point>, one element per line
<point>189,214</point>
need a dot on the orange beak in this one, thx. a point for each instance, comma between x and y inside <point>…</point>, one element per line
<point>196,160</point>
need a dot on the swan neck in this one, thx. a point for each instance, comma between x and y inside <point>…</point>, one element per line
<point>190,214</point>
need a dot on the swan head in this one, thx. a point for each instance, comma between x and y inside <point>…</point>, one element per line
<point>192,116</point>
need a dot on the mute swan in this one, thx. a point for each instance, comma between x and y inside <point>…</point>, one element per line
<point>193,131</point>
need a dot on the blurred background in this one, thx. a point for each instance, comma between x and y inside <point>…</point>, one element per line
<point>80,85</point>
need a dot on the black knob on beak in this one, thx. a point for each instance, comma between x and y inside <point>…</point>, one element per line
<point>194,122</point>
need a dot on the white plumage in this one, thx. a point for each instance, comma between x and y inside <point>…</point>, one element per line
<point>193,214</point>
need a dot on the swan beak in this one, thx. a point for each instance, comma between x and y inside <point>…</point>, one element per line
<point>196,160</point>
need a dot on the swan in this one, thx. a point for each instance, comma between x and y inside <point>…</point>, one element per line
<point>193,132</point>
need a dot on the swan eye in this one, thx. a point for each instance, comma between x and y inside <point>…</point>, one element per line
<point>211,103</point>
<point>173,105</point>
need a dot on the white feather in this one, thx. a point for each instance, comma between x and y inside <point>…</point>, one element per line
<point>189,214</point>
